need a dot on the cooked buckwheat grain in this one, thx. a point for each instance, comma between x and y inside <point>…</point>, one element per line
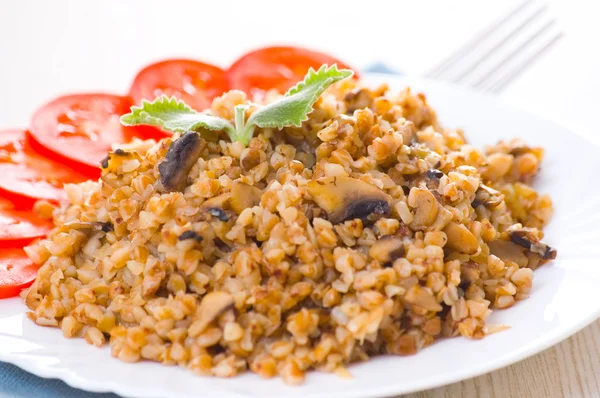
<point>368,230</point>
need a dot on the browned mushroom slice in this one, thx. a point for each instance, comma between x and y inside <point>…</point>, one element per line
<point>190,235</point>
<point>211,307</point>
<point>181,157</point>
<point>420,296</point>
<point>487,196</point>
<point>346,198</point>
<point>243,196</point>
<point>518,147</point>
<point>105,226</point>
<point>386,250</point>
<point>250,158</point>
<point>469,273</point>
<point>426,208</point>
<point>528,240</point>
<point>429,180</point>
<point>115,159</point>
<point>460,238</point>
<point>358,98</point>
<point>221,201</point>
<point>217,206</point>
<point>508,251</point>
<point>434,174</point>
<point>79,225</point>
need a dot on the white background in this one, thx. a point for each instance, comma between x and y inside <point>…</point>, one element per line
<point>49,48</point>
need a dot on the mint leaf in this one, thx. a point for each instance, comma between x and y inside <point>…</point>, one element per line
<point>293,108</point>
<point>290,110</point>
<point>175,115</point>
<point>241,133</point>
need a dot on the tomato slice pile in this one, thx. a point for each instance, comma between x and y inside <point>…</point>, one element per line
<point>17,272</point>
<point>81,128</point>
<point>275,67</point>
<point>27,175</point>
<point>70,135</point>
<point>19,227</point>
<point>194,82</point>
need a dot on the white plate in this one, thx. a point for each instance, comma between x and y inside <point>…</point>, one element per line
<point>563,299</point>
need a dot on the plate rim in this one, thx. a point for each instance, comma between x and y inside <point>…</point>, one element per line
<point>547,340</point>
<point>133,390</point>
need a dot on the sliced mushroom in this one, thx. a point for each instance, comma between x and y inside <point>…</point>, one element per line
<point>487,196</point>
<point>104,162</point>
<point>508,251</point>
<point>528,240</point>
<point>386,250</point>
<point>219,213</point>
<point>190,235</point>
<point>221,201</point>
<point>469,273</point>
<point>346,198</point>
<point>358,98</point>
<point>217,206</point>
<point>426,208</point>
<point>211,307</point>
<point>518,147</point>
<point>244,196</point>
<point>181,157</point>
<point>83,225</point>
<point>250,158</point>
<point>419,296</point>
<point>460,238</point>
<point>429,180</point>
<point>105,226</point>
<point>115,159</point>
<point>65,227</point>
<point>434,174</point>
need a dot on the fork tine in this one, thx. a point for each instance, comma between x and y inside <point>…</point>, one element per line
<point>520,49</point>
<point>439,69</point>
<point>501,43</point>
<point>502,81</point>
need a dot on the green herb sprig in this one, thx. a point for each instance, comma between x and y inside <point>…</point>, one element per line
<point>290,110</point>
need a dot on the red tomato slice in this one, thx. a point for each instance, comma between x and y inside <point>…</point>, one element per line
<point>17,272</point>
<point>194,82</point>
<point>275,67</point>
<point>18,228</point>
<point>26,175</point>
<point>81,128</point>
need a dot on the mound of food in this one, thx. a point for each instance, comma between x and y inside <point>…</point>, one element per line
<point>369,229</point>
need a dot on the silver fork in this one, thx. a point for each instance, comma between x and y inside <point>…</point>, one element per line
<point>497,55</point>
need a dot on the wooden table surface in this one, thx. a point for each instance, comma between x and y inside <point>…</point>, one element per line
<point>569,369</point>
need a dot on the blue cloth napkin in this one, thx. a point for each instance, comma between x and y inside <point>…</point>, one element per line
<point>380,67</point>
<point>16,383</point>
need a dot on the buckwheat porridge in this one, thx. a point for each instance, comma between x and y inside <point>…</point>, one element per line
<point>368,230</point>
